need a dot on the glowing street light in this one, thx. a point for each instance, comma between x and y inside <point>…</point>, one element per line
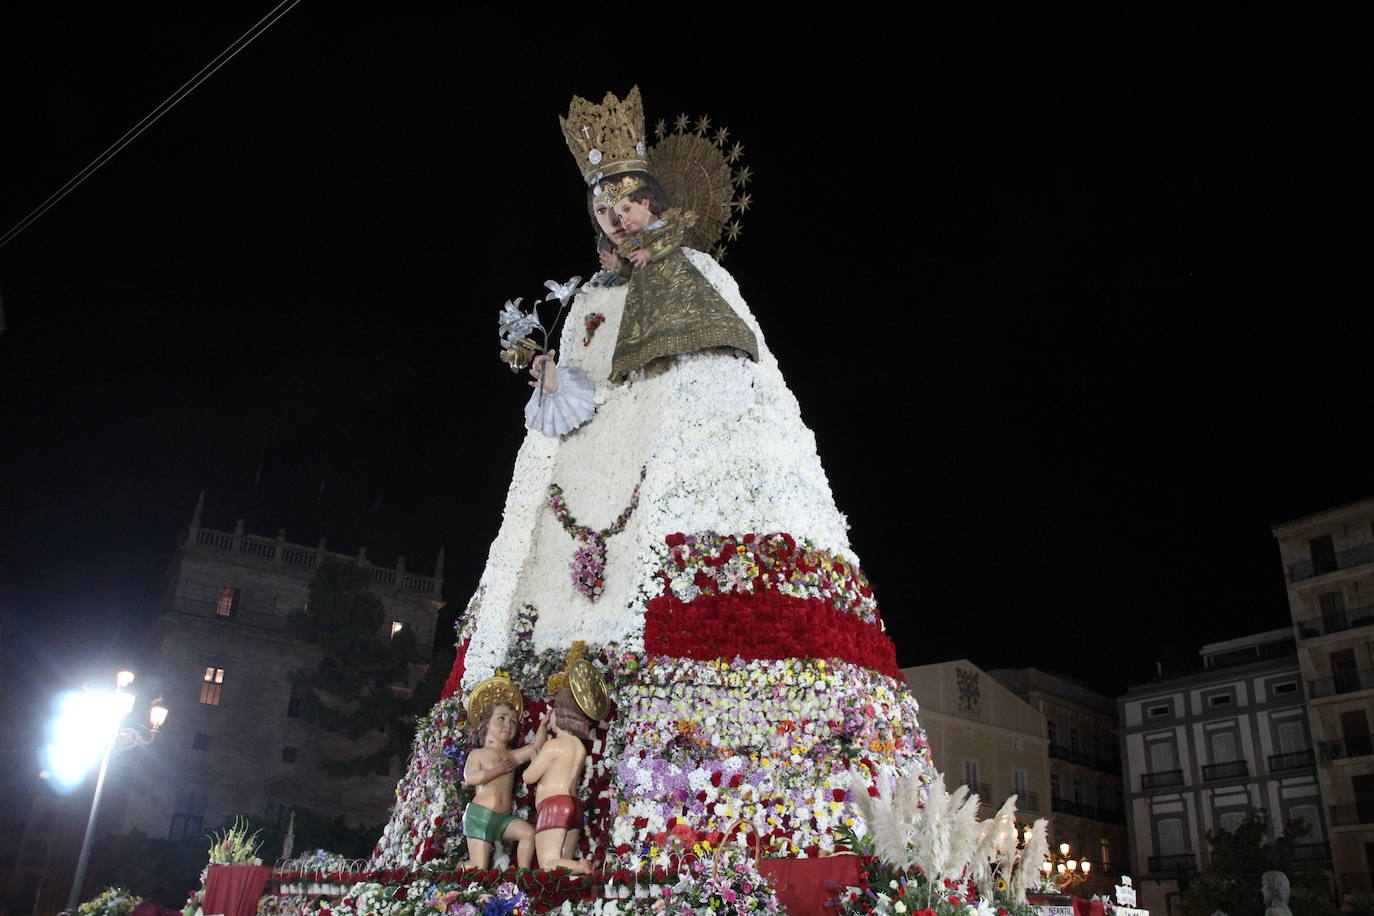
<point>90,726</point>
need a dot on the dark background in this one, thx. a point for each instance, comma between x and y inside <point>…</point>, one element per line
<point>1073,326</point>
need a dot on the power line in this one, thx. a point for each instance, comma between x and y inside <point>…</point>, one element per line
<point>152,117</point>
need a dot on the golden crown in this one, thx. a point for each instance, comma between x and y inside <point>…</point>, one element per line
<point>606,139</point>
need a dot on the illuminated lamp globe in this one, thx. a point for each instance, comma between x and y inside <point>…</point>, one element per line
<point>157,714</point>
<point>124,678</point>
<point>1086,866</point>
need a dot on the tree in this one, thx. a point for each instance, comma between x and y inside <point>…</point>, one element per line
<point>362,684</point>
<point>1240,857</point>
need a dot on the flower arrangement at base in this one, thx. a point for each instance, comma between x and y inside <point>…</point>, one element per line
<point>927,854</point>
<point>112,901</point>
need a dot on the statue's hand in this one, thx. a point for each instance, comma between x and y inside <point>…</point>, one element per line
<point>639,257</point>
<point>546,370</point>
<point>609,260</point>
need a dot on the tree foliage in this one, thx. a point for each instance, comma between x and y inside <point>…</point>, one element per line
<point>361,685</point>
<point>1240,857</point>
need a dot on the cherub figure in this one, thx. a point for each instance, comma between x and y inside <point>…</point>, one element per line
<point>556,772</point>
<point>496,705</point>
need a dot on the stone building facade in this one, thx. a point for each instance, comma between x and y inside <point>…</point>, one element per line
<point>1085,771</point>
<point>1205,750</point>
<point>1328,561</point>
<point>983,736</point>
<point>238,739</point>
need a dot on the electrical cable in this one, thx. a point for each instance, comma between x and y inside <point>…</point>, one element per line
<point>153,116</point>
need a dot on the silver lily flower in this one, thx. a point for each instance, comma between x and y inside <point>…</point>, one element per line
<point>562,291</point>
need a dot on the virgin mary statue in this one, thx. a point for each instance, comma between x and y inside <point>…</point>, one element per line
<point>668,510</point>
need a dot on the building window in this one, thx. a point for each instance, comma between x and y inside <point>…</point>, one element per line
<point>1162,757</point>
<point>1056,790</point>
<point>1078,799</point>
<point>1052,732</point>
<point>212,684</point>
<point>1292,738</point>
<point>1074,740</point>
<point>1224,749</point>
<point>1284,687</point>
<point>1158,712</point>
<point>188,817</point>
<point>1323,554</point>
<point>396,627</point>
<point>288,754</point>
<point>971,775</point>
<point>227,604</point>
<point>1104,852</point>
<point>201,742</point>
<point>293,705</point>
<point>1018,783</point>
<point>1219,699</point>
<point>1171,837</point>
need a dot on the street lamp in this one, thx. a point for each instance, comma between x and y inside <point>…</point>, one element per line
<point>1064,870</point>
<point>89,725</point>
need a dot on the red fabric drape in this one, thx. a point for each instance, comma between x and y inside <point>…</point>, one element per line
<point>1083,907</point>
<point>233,890</point>
<point>803,885</point>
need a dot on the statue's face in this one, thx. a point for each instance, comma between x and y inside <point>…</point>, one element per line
<point>501,728</point>
<point>633,215</point>
<point>608,221</point>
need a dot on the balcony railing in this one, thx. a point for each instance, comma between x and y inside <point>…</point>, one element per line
<point>288,554</point>
<point>1350,815</point>
<point>1335,622</point>
<point>1184,861</point>
<point>1235,769</point>
<point>1347,681</point>
<point>1077,809</point>
<point>1109,764</point>
<point>1339,750</point>
<point>1161,780</point>
<point>1028,801</point>
<point>1355,556</point>
<point>1310,852</point>
<point>1293,760</point>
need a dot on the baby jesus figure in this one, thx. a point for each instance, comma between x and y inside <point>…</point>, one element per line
<point>491,768</point>
<point>556,772</point>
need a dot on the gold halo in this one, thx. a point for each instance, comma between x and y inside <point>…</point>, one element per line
<point>490,692</point>
<point>696,176</point>
<point>588,689</point>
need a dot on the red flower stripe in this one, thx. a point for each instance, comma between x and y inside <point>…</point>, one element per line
<point>763,625</point>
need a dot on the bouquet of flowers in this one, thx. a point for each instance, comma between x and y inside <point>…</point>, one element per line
<point>113,901</point>
<point>235,846</point>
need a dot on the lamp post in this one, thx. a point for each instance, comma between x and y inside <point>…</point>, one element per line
<point>88,712</point>
<point>1064,870</point>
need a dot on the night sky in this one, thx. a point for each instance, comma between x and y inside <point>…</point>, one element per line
<point>1073,328</point>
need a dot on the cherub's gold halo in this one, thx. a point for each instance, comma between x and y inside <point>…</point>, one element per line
<point>490,692</point>
<point>588,689</point>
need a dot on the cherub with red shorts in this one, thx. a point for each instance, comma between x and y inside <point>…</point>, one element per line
<point>556,771</point>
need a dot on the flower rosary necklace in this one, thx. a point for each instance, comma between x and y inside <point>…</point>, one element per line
<point>589,562</point>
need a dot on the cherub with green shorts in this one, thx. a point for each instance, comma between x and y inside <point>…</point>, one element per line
<point>495,704</point>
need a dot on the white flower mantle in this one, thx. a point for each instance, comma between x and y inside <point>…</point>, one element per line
<point>725,450</point>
